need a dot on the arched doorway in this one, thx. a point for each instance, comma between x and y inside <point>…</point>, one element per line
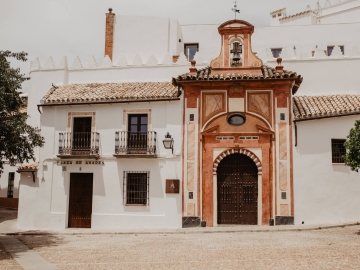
<point>237,188</point>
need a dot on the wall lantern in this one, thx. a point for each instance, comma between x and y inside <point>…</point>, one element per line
<point>169,142</point>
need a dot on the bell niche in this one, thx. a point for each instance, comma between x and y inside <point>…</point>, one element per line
<point>236,49</point>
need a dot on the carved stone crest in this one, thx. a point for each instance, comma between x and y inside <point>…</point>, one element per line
<point>236,90</point>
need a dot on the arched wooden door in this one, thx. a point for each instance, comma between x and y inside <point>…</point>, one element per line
<point>237,190</point>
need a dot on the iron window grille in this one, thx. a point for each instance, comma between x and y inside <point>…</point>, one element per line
<point>10,192</point>
<point>331,48</point>
<point>338,150</point>
<point>136,188</point>
<point>190,49</point>
<point>276,52</point>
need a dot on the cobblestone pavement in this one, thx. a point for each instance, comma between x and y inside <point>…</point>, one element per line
<point>336,248</point>
<point>6,261</point>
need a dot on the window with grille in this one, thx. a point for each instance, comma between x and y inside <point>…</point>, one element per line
<point>276,52</point>
<point>136,188</point>
<point>338,150</point>
<point>10,193</point>
<point>190,50</point>
<point>331,48</point>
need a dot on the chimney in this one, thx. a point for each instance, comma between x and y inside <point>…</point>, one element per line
<point>109,33</point>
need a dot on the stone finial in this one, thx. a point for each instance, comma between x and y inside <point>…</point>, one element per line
<point>167,60</point>
<point>193,69</point>
<point>110,10</point>
<point>137,61</point>
<point>76,63</point>
<point>152,61</point>
<point>91,63</point>
<point>122,62</point>
<point>49,64</point>
<point>279,68</point>
<point>35,65</point>
<point>336,52</point>
<point>64,63</point>
<point>106,63</point>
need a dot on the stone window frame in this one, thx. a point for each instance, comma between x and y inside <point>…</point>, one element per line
<point>125,188</point>
<point>72,115</point>
<point>126,114</point>
<point>333,154</point>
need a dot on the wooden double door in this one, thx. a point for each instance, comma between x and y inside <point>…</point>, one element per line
<point>237,190</point>
<point>80,200</point>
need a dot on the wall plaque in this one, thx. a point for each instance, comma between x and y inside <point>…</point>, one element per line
<point>172,186</point>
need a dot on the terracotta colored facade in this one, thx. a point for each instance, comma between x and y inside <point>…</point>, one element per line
<point>265,137</point>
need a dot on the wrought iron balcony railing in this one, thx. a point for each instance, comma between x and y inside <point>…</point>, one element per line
<point>135,143</point>
<point>79,143</point>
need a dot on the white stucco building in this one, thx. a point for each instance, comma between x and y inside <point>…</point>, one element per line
<point>123,169</point>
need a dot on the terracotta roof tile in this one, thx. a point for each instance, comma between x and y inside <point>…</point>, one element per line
<point>105,92</point>
<point>295,15</point>
<point>309,107</point>
<point>268,73</point>
<point>28,167</point>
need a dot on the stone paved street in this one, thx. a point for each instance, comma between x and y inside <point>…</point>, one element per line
<point>336,248</point>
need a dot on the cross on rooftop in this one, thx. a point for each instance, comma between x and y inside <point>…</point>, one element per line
<point>235,9</point>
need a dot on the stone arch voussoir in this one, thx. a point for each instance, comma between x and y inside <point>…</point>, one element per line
<point>229,152</point>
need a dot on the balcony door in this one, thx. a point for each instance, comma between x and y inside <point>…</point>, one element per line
<point>81,135</point>
<point>137,133</point>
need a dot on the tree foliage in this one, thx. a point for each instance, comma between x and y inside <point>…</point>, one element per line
<point>17,139</point>
<point>352,145</point>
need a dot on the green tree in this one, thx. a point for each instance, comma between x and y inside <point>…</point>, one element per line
<point>17,139</point>
<point>352,145</point>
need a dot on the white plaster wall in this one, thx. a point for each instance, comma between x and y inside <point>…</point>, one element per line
<point>324,192</point>
<point>146,36</point>
<point>303,37</point>
<point>325,76</point>
<point>44,204</point>
<point>4,181</point>
<point>207,36</point>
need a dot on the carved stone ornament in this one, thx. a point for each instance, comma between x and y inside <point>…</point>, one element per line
<point>236,90</point>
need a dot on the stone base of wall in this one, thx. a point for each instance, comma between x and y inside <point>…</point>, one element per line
<point>9,202</point>
<point>189,222</point>
<point>281,220</point>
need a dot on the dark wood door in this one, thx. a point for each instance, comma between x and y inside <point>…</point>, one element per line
<point>81,136</point>
<point>237,190</point>
<point>80,200</point>
<point>137,133</point>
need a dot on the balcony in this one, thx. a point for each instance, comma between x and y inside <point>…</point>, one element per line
<point>135,144</point>
<point>79,145</point>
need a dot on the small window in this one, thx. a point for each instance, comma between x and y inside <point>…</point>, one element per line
<point>279,14</point>
<point>10,193</point>
<point>274,15</point>
<point>190,50</point>
<point>236,119</point>
<point>136,188</point>
<point>330,49</point>
<point>338,150</point>
<point>276,52</point>
<point>282,116</point>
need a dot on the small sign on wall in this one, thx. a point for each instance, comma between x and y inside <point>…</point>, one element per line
<point>172,186</point>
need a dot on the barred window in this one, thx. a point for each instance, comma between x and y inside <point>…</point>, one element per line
<point>136,188</point>
<point>338,150</point>
<point>10,192</point>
